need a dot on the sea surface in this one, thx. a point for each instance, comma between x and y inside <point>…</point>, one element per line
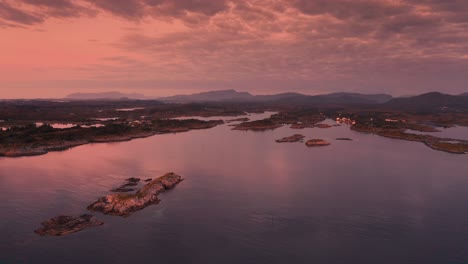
<point>245,199</point>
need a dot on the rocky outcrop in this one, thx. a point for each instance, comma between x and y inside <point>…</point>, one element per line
<point>317,143</point>
<point>450,145</point>
<point>64,225</point>
<point>39,150</point>
<point>258,125</point>
<point>293,138</point>
<point>299,126</point>
<point>125,186</point>
<point>308,125</point>
<point>124,203</point>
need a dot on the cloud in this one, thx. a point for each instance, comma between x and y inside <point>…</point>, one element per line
<point>33,12</point>
<point>129,9</point>
<point>59,8</point>
<point>349,43</point>
<point>12,14</point>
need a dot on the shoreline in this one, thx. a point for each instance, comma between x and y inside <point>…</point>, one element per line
<point>435,143</point>
<point>28,151</point>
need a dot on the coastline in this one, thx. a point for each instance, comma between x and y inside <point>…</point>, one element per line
<point>435,143</point>
<point>36,149</point>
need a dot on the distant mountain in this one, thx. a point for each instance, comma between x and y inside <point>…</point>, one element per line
<point>222,95</point>
<point>105,96</point>
<point>277,97</point>
<point>464,94</point>
<point>337,99</point>
<point>234,96</point>
<point>429,102</point>
<point>375,98</point>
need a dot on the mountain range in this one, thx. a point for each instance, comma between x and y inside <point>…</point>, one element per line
<point>424,102</point>
<point>428,102</point>
<point>234,96</point>
<point>105,96</point>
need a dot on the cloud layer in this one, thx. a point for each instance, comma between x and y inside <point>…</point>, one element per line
<point>395,46</point>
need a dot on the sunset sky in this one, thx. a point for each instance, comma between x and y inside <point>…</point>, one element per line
<point>50,48</point>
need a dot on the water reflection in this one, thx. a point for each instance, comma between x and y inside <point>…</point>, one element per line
<point>245,199</point>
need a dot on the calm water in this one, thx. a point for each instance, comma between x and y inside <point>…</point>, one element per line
<point>245,199</point>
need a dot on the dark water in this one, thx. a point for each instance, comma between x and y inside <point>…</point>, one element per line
<point>245,199</point>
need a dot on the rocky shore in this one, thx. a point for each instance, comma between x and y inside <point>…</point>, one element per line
<point>119,203</point>
<point>128,185</point>
<point>258,125</point>
<point>300,126</point>
<point>63,225</point>
<point>450,145</point>
<point>317,143</point>
<point>293,138</point>
<point>308,125</point>
<point>123,204</point>
<point>35,150</point>
<point>40,141</point>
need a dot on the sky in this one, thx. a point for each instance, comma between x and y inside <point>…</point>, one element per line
<point>51,48</point>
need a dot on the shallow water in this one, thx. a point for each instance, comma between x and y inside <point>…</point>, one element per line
<point>245,199</point>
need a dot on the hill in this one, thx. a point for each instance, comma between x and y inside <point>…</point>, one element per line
<point>105,96</point>
<point>429,102</point>
<point>212,96</point>
<point>293,98</point>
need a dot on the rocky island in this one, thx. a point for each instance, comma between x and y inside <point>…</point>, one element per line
<point>300,126</point>
<point>64,225</point>
<point>127,185</point>
<point>119,203</point>
<point>293,138</point>
<point>123,204</point>
<point>258,125</point>
<point>317,143</point>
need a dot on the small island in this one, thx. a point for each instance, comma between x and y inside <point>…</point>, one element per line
<point>119,203</point>
<point>122,204</point>
<point>317,143</point>
<point>64,225</point>
<point>299,126</point>
<point>258,125</point>
<point>293,138</point>
<point>127,185</point>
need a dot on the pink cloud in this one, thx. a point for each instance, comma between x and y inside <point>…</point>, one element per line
<point>256,45</point>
